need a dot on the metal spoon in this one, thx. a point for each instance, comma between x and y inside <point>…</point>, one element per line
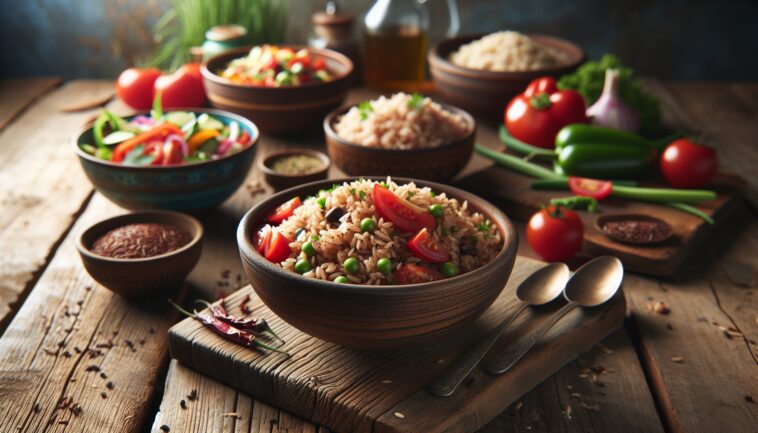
<point>539,288</point>
<point>591,285</point>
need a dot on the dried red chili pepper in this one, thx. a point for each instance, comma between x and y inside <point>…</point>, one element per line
<point>227,331</point>
<point>251,324</point>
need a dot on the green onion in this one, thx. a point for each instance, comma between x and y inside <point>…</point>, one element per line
<point>513,143</point>
<point>655,195</point>
<point>436,210</point>
<point>691,210</point>
<point>517,164</point>
<point>562,184</point>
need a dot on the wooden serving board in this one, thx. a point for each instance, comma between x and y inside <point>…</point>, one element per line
<point>512,192</point>
<point>355,391</point>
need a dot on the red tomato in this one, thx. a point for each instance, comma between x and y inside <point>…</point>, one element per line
<point>555,233</point>
<point>172,153</point>
<point>536,116</point>
<point>135,87</point>
<point>243,138</point>
<point>405,215</point>
<point>597,189</point>
<point>183,88</point>
<point>278,248</point>
<point>425,247</point>
<point>262,239</point>
<point>318,64</point>
<point>154,148</point>
<point>686,164</point>
<point>415,274</point>
<point>284,211</point>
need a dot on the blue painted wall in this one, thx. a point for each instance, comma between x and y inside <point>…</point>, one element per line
<point>675,39</point>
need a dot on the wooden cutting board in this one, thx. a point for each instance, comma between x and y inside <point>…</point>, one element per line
<point>357,391</point>
<point>512,192</point>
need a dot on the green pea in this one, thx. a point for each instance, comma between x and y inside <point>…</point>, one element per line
<point>321,202</point>
<point>384,266</point>
<point>341,279</point>
<point>436,210</point>
<point>302,266</point>
<point>368,225</point>
<point>308,249</point>
<point>449,269</point>
<point>351,265</point>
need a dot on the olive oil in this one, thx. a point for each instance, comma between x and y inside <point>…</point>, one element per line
<point>395,57</point>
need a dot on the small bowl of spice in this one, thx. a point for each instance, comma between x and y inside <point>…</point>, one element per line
<point>635,229</point>
<point>293,167</point>
<point>141,253</point>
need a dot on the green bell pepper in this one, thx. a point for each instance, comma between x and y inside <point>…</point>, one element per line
<point>580,133</point>
<point>605,160</point>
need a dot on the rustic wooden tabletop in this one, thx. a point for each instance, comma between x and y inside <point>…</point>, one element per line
<point>75,357</point>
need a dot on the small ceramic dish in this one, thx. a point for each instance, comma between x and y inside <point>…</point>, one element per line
<point>145,276</point>
<point>434,163</point>
<point>279,110</point>
<point>488,92</point>
<point>376,317</point>
<point>280,181</point>
<point>663,232</point>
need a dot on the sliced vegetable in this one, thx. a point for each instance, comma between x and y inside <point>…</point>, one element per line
<point>180,118</point>
<point>597,189</point>
<point>172,153</point>
<point>262,238</point>
<point>201,137</point>
<point>117,137</point>
<point>415,274</point>
<point>278,248</point>
<point>436,210</point>
<point>157,132</point>
<point>425,247</point>
<point>206,121</point>
<point>284,211</point>
<point>405,215</point>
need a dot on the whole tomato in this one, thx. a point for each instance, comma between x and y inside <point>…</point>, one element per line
<point>135,87</point>
<point>555,233</point>
<point>183,88</point>
<point>687,164</point>
<point>536,116</point>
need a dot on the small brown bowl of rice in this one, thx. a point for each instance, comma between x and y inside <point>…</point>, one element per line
<point>400,135</point>
<point>377,263</point>
<point>481,73</point>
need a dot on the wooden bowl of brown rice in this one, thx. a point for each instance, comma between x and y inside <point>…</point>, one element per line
<point>376,313</point>
<point>400,135</point>
<point>481,73</point>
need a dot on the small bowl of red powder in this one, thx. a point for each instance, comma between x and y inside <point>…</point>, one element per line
<point>141,253</point>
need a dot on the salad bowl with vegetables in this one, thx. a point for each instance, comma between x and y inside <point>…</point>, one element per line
<point>184,159</point>
<point>451,256</point>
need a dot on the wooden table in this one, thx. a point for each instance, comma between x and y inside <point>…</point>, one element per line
<point>74,357</point>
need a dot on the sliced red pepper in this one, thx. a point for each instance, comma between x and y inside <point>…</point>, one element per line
<point>403,214</point>
<point>284,211</point>
<point>278,248</point>
<point>425,247</point>
<point>243,138</point>
<point>416,274</point>
<point>160,131</point>
<point>597,189</point>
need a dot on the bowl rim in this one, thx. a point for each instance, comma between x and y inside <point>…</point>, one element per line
<point>331,118</point>
<point>324,158</point>
<point>509,248</point>
<point>254,138</point>
<point>436,60</point>
<point>128,218</point>
<point>237,52</point>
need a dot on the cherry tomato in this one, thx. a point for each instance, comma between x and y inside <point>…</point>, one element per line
<point>425,247</point>
<point>135,87</point>
<point>262,238</point>
<point>686,164</point>
<point>415,274</point>
<point>536,116</point>
<point>243,138</point>
<point>555,233</point>
<point>278,248</point>
<point>183,88</point>
<point>597,189</point>
<point>403,214</point>
<point>284,211</point>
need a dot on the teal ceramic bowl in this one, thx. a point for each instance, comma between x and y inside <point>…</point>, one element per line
<point>188,188</point>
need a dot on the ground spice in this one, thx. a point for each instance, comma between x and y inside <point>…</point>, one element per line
<point>637,230</point>
<point>135,241</point>
<point>298,164</point>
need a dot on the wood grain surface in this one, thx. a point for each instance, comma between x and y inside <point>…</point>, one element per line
<point>17,94</point>
<point>42,187</point>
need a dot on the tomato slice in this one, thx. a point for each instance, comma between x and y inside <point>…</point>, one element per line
<point>318,64</point>
<point>278,247</point>
<point>415,274</point>
<point>425,247</point>
<point>597,189</point>
<point>284,211</point>
<point>172,153</point>
<point>262,239</point>
<point>403,214</point>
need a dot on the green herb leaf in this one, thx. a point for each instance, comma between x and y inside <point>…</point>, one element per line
<point>484,226</point>
<point>410,194</point>
<point>365,108</point>
<point>137,157</point>
<point>416,101</point>
<point>362,194</point>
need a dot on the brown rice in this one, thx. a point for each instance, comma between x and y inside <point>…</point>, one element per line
<point>470,239</point>
<point>507,51</point>
<point>401,121</point>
